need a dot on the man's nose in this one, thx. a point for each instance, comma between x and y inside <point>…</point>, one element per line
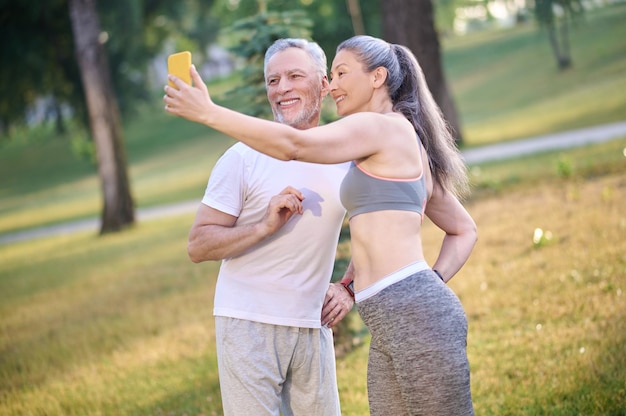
<point>284,85</point>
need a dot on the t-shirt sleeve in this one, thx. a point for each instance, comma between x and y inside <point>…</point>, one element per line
<point>226,187</point>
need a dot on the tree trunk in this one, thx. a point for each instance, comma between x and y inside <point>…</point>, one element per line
<point>562,58</point>
<point>567,58</point>
<point>104,117</point>
<point>355,14</point>
<point>58,118</point>
<point>411,23</point>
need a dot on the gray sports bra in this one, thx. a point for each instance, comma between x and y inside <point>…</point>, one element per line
<point>363,192</point>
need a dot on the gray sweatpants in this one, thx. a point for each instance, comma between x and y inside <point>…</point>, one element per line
<point>267,370</point>
<point>418,361</point>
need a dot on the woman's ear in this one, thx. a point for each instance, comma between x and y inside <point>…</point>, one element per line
<point>380,76</point>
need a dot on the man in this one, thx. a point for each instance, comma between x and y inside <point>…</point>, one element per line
<point>276,224</point>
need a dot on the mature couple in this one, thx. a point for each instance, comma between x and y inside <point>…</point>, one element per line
<point>274,219</point>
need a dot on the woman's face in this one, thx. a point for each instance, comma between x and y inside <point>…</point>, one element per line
<point>350,86</point>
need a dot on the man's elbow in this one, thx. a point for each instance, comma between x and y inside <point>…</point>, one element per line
<point>195,253</point>
<point>198,254</point>
<point>193,256</point>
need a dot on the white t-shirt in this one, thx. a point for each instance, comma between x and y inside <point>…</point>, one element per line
<point>283,279</point>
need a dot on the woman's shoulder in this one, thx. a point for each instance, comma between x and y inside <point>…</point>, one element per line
<point>373,122</point>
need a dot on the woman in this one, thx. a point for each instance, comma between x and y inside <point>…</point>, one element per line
<point>405,166</point>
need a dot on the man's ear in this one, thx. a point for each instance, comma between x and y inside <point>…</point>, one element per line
<point>380,76</point>
<point>325,86</point>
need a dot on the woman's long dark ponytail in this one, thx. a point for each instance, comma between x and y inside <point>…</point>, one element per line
<point>411,97</point>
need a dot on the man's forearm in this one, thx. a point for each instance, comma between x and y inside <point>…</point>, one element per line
<point>217,242</point>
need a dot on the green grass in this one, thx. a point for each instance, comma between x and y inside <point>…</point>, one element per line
<point>122,324</point>
<point>112,325</point>
<point>547,322</point>
<point>42,183</point>
<point>506,84</point>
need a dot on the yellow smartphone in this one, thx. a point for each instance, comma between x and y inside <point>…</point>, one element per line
<point>179,64</point>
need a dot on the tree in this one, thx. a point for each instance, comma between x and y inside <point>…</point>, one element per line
<point>332,20</point>
<point>554,13</point>
<point>37,59</point>
<point>104,117</point>
<point>38,51</point>
<point>411,23</point>
<point>51,53</point>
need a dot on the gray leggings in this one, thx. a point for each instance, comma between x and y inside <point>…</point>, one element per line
<point>418,360</point>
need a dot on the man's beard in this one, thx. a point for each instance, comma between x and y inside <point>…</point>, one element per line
<point>302,120</point>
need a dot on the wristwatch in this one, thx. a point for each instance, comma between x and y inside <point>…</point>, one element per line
<point>349,287</point>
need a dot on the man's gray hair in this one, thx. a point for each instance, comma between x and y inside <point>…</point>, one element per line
<point>313,49</point>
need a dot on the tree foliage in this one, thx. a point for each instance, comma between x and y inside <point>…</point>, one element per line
<point>252,36</point>
<point>331,21</point>
<point>91,58</point>
<point>412,24</point>
<point>37,58</point>
<point>38,50</point>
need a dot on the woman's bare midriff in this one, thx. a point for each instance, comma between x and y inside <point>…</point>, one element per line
<point>383,242</point>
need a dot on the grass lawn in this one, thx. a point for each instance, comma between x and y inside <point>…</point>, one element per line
<point>506,84</point>
<point>122,324</point>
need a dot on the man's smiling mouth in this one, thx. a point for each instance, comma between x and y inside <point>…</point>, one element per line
<point>288,102</point>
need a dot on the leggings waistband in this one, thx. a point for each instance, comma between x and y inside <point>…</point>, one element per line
<point>390,279</point>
